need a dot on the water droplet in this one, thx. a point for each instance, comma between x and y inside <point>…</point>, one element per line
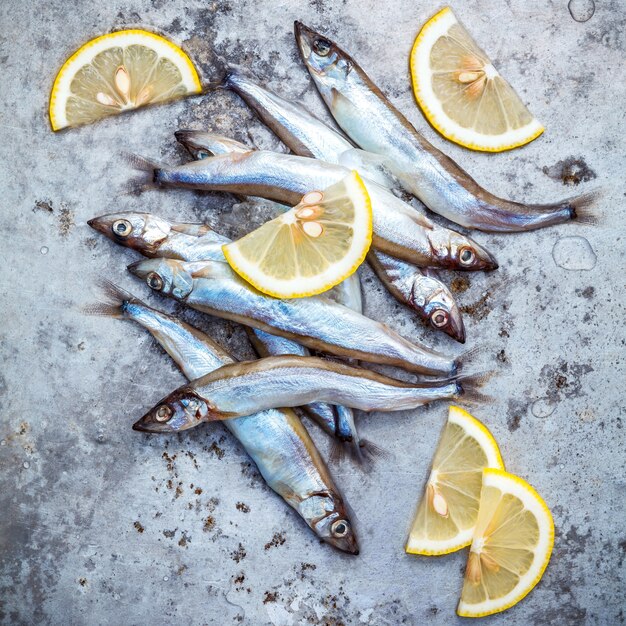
<point>581,10</point>
<point>542,408</point>
<point>3,442</point>
<point>574,253</point>
<point>562,466</point>
<point>100,437</point>
<point>26,464</point>
<point>44,250</point>
<point>165,578</point>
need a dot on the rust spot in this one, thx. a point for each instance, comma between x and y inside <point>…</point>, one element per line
<point>139,527</point>
<point>209,524</point>
<point>244,508</point>
<point>277,540</point>
<point>460,284</point>
<point>270,596</point>
<point>216,450</point>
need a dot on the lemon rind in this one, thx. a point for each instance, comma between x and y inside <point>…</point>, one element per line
<point>459,135</point>
<point>475,428</point>
<point>88,51</point>
<point>237,263</point>
<point>493,477</point>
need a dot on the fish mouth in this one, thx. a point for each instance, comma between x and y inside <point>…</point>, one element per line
<point>304,36</point>
<point>101,224</point>
<point>347,544</point>
<point>145,425</point>
<point>138,268</point>
<point>186,138</point>
<point>455,328</point>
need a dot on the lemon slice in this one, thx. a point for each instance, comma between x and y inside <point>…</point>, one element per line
<point>447,513</point>
<point>119,72</point>
<point>461,93</point>
<point>310,248</point>
<point>511,546</point>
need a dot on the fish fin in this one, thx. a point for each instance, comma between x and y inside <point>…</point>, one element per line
<point>363,453</point>
<point>113,300</point>
<point>584,207</point>
<point>469,356</point>
<point>470,387</point>
<point>147,180</point>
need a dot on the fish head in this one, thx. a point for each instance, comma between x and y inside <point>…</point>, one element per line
<point>328,64</point>
<point>203,145</point>
<point>140,231</point>
<point>465,254</point>
<point>167,276</point>
<point>181,410</point>
<point>326,514</point>
<point>439,307</point>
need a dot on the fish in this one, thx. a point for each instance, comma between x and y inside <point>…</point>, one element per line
<point>301,134</point>
<point>156,237</point>
<point>246,387</point>
<point>399,230</point>
<point>202,145</point>
<point>363,112</point>
<point>316,322</point>
<point>275,439</point>
<point>423,293</point>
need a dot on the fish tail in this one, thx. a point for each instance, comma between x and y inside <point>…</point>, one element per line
<point>470,387</point>
<point>468,357</point>
<point>222,70</point>
<point>584,208</point>
<point>114,301</point>
<point>147,180</point>
<point>364,453</point>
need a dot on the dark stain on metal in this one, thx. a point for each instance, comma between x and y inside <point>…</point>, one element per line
<point>571,171</point>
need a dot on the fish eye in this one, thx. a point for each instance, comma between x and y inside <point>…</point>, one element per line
<point>154,281</point>
<point>163,413</point>
<point>340,528</point>
<point>466,256</point>
<point>322,46</point>
<point>202,154</point>
<point>122,228</point>
<point>439,318</point>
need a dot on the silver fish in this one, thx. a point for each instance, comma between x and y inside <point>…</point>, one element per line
<point>399,230</point>
<point>300,135</point>
<point>316,322</point>
<point>426,295</point>
<point>155,237</point>
<point>374,124</point>
<point>275,439</point>
<point>243,388</point>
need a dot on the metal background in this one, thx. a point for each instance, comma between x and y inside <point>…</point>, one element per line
<point>102,525</point>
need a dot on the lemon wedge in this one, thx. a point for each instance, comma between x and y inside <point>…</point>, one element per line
<point>119,72</point>
<point>462,94</point>
<point>310,248</point>
<point>447,513</point>
<point>511,547</point>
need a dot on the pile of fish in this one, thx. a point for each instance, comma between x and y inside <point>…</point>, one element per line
<point>185,262</point>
